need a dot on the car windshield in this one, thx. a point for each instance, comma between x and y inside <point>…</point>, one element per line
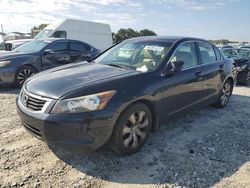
<point>43,34</point>
<point>137,55</point>
<point>236,53</point>
<point>244,53</point>
<point>33,46</point>
<point>230,53</point>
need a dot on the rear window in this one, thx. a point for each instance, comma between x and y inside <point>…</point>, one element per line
<point>217,53</point>
<point>60,47</point>
<point>79,47</point>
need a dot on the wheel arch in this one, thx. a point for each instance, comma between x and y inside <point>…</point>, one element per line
<point>27,65</point>
<point>150,104</point>
<point>22,66</point>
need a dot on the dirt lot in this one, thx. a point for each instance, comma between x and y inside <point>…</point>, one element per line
<point>208,148</point>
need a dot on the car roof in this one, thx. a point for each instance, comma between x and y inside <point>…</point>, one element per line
<point>59,39</point>
<point>165,38</point>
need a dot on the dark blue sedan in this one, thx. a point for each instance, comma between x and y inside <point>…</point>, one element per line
<point>38,55</point>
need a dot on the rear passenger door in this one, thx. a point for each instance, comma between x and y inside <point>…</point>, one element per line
<point>79,52</point>
<point>212,66</point>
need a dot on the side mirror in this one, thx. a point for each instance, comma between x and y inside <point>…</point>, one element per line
<point>48,51</point>
<point>87,56</point>
<point>177,65</point>
<point>173,67</point>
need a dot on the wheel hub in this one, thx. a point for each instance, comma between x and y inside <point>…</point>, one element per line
<point>135,130</point>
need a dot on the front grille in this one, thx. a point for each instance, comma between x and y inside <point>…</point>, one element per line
<point>32,102</point>
<point>35,104</point>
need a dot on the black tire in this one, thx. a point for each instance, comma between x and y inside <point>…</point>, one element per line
<point>246,81</point>
<point>132,129</point>
<point>23,73</point>
<point>225,95</point>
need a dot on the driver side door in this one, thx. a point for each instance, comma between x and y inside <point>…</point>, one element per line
<point>56,54</point>
<point>184,88</point>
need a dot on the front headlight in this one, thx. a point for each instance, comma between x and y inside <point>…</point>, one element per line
<point>84,104</point>
<point>243,67</point>
<point>4,63</point>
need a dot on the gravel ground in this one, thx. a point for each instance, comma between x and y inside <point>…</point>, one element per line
<point>208,148</point>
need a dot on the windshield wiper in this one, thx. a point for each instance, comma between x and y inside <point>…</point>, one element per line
<point>118,65</point>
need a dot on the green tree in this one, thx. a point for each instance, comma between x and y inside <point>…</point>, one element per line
<point>147,32</point>
<point>123,34</point>
<point>37,29</point>
<point>221,41</point>
<point>40,27</point>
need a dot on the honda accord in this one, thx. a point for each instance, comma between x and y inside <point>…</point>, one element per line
<point>125,93</point>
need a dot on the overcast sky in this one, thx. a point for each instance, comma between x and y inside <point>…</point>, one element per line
<point>210,19</point>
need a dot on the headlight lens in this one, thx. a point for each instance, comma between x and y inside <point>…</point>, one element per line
<point>4,63</point>
<point>84,104</point>
<point>243,67</point>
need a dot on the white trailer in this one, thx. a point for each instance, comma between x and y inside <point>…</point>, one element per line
<point>96,34</point>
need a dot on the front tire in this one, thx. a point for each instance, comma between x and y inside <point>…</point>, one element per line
<point>225,95</point>
<point>132,129</point>
<point>23,74</point>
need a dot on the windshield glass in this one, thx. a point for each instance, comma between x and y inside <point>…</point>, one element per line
<point>236,53</point>
<point>33,46</point>
<point>230,52</point>
<point>43,34</point>
<point>138,55</point>
<point>244,53</point>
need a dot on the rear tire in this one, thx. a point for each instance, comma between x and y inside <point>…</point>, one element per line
<point>225,95</point>
<point>132,129</point>
<point>246,81</point>
<point>23,73</point>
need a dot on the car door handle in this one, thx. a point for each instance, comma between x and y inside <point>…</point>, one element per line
<point>198,73</point>
<point>222,66</point>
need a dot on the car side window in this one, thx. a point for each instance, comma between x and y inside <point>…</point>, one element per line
<point>207,53</point>
<point>60,34</point>
<point>78,47</point>
<point>217,53</point>
<point>60,47</point>
<point>187,53</point>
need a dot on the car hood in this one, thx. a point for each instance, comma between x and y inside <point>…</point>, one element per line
<point>6,55</point>
<point>57,82</point>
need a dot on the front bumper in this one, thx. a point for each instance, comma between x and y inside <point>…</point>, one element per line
<point>81,132</point>
<point>7,76</point>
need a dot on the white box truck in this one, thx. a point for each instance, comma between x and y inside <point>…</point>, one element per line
<point>96,34</point>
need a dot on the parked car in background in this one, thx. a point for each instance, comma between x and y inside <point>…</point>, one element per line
<point>242,60</point>
<point>39,55</point>
<point>12,44</point>
<point>96,34</point>
<point>125,93</point>
<point>245,46</point>
<point>226,46</point>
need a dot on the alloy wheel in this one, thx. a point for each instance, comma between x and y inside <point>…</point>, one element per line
<point>135,130</point>
<point>24,74</point>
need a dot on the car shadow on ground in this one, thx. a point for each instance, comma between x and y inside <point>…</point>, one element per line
<point>197,150</point>
<point>9,90</point>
